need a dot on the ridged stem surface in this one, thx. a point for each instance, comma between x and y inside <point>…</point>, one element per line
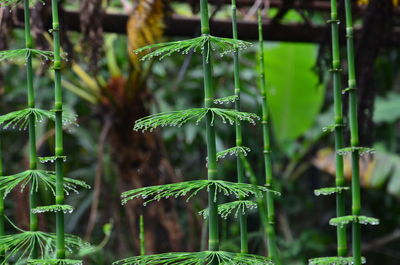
<point>59,148</point>
<point>353,119</point>
<point>33,223</point>
<point>270,228</point>
<point>213,235</point>
<point>338,106</point>
<point>239,141</point>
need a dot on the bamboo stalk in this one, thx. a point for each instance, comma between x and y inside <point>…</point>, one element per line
<point>239,141</point>
<point>213,240</point>
<point>59,149</point>
<point>338,106</point>
<point>355,186</point>
<point>270,229</point>
<point>33,219</point>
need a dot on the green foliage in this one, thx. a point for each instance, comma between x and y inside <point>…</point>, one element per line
<point>226,100</point>
<point>21,245</point>
<point>25,53</point>
<point>295,98</point>
<point>344,220</point>
<point>53,208</point>
<point>191,188</point>
<point>387,109</point>
<point>51,159</point>
<point>236,207</point>
<point>330,190</point>
<point>55,262</point>
<point>233,151</point>
<point>197,258</point>
<point>178,118</point>
<point>333,261</point>
<point>35,178</point>
<point>20,119</point>
<point>361,150</point>
<point>217,45</point>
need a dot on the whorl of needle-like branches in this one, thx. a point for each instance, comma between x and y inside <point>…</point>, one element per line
<point>25,53</point>
<point>222,46</point>
<point>22,245</point>
<point>191,188</point>
<point>236,207</point>
<point>180,117</point>
<point>38,177</point>
<point>334,261</point>
<point>197,258</point>
<point>345,220</point>
<point>20,118</point>
<point>55,262</point>
<point>233,151</point>
<point>53,208</point>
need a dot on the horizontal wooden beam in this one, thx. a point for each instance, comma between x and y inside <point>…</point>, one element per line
<point>188,27</point>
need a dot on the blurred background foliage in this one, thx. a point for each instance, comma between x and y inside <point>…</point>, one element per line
<point>109,88</point>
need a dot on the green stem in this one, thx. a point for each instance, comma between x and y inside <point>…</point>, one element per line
<point>355,186</point>
<point>240,172</point>
<point>338,105</point>
<point>2,217</point>
<point>270,229</point>
<point>59,149</point>
<point>141,236</point>
<point>213,240</point>
<point>33,223</point>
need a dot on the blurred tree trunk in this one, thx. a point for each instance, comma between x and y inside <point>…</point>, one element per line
<point>377,28</point>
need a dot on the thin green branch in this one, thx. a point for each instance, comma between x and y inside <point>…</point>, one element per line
<point>227,100</point>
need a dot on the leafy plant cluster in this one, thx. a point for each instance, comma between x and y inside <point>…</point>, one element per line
<point>356,219</point>
<point>34,246</point>
<point>208,46</point>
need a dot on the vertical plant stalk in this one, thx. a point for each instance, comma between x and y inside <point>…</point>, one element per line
<point>239,141</point>
<point>270,228</point>
<point>338,105</point>
<point>59,149</point>
<point>142,236</point>
<point>2,217</point>
<point>32,129</point>
<point>213,235</point>
<point>354,135</point>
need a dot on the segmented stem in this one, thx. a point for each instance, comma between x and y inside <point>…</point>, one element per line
<point>59,149</point>
<point>270,224</point>
<point>338,106</point>
<point>33,223</point>
<point>213,240</point>
<point>353,119</point>
<point>240,171</point>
